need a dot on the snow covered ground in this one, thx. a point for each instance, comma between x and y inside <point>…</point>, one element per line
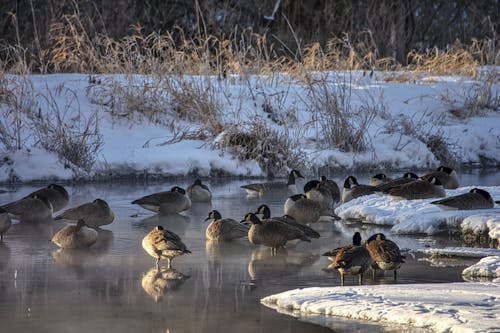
<point>486,268</point>
<point>405,113</point>
<point>421,217</point>
<point>448,308</point>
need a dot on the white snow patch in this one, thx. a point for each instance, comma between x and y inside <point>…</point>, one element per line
<point>488,267</point>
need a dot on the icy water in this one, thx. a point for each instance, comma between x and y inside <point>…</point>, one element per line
<point>113,287</point>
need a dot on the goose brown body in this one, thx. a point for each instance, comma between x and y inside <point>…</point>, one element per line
<point>293,184</point>
<point>419,189</point>
<point>224,229</point>
<point>302,209</point>
<point>32,209</point>
<point>447,176</point>
<point>95,214</point>
<point>474,199</point>
<point>271,233</point>
<point>352,259</point>
<point>352,189</point>
<point>75,236</point>
<point>167,202</point>
<point>266,214</point>
<point>161,243</point>
<point>385,254</point>
<point>408,177</point>
<point>55,194</point>
<point>199,192</point>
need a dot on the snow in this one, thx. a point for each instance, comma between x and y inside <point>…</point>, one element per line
<point>451,307</point>
<point>421,217</point>
<point>488,267</point>
<point>134,144</point>
<point>470,252</point>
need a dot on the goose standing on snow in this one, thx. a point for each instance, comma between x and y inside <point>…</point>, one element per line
<point>199,192</point>
<point>352,259</point>
<point>271,233</point>
<point>95,214</point>
<point>385,254</point>
<point>5,222</point>
<point>266,214</point>
<point>302,209</point>
<point>161,243</point>
<point>352,189</point>
<point>447,176</point>
<point>419,189</point>
<point>167,202</point>
<point>75,236</point>
<point>294,185</point>
<point>474,199</point>
<point>224,229</point>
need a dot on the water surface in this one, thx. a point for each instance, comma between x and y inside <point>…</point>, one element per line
<point>113,287</point>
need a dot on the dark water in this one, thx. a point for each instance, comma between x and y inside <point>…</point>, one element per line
<point>112,288</point>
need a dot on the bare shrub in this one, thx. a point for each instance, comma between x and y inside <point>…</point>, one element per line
<point>475,100</point>
<point>342,122</point>
<point>274,151</point>
<point>16,102</point>
<point>67,132</point>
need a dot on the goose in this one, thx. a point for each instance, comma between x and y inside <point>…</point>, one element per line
<point>271,233</point>
<point>476,198</point>
<point>332,186</point>
<point>351,259</point>
<point>224,229</point>
<point>5,222</point>
<point>157,281</point>
<point>378,179</point>
<point>407,177</point>
<point>266,214</point>
<point>167,202</point>
<point>75,236</point>
<point>161,243</point>
<point>199,192</point>
<point>95,214</point>
<point>55,194</point>
<point>352,189</point>
<point>385,254</point>
<point>447,176</point>
<point>294,185</point>
<point>303,210</point>
<point>319,192</point>
<point>419,189</point>
<point>33,209</point>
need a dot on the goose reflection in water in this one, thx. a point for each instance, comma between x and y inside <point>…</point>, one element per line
<point>157,281</point>
<point>75,260</point>
<point>4,256</point>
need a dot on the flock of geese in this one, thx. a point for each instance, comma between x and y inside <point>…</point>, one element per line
<point>308,203</point>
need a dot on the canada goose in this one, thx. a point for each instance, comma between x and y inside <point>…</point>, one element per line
<point>199,192</point>
<point>161,243</point>
<point>319,192</point>
<point>378,179</point>
<point>5,223</point>
<point>95,214</point>
<point>167,202</point>
<point>351,259</point>
<point>271,233</point>
<point>224,229</point>
<point>302,209</point>
<point>75,236</point>
<point>55,194</point>
<point>32,209</point>
<point>474,199</point>
<point>159,280</point>
<point>419,189</point>
<point>408,177</point>
<point>385,254</point>
<point>266,214</point>
<point>352,189</point>
<point>447,176</point>
<point>332,186</point>
<point>294,185</point>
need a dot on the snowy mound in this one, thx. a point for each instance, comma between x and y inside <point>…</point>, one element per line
<point>469,252</point>
<point>421,217</point>
<point>454,307</point>
<point>488,267</point>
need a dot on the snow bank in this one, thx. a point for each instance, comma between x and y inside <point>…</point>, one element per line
<point>488,267</point>
<point>448,307</point>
